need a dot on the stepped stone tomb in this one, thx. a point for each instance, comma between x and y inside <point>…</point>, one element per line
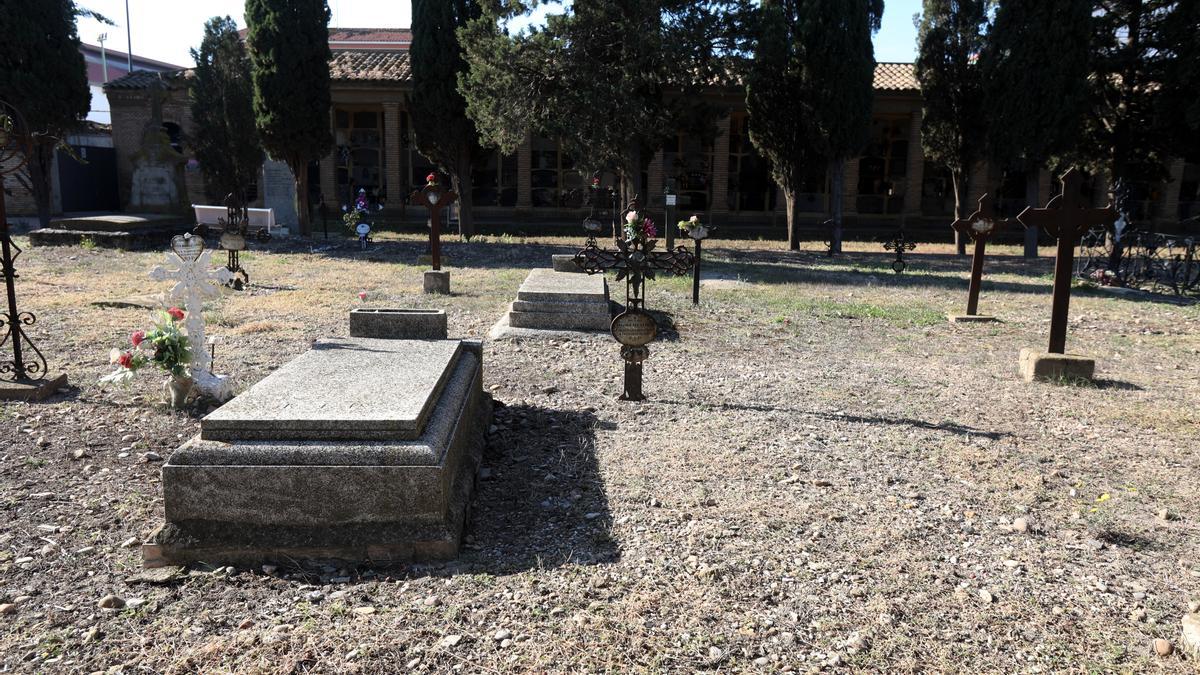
<point>361,450</point>
<point>550,300</point>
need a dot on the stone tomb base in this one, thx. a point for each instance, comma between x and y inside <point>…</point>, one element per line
<point>1039,365</point>
<point>972,318</point>
<point>565,262</point>
<point>550,300</point>
<point>437,282</point>
<point>359,450</point>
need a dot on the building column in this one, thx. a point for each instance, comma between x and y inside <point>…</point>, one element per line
<point>850,188</point>
<point>1045,186</point>
<point>654,182</point>
<point>392,176</point>
<point>328,178</point>
<point>915,178</point>
<point>720,169</point>
<point>1168,205</point>
<point>524,179</point>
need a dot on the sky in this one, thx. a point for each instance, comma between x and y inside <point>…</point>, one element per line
<point>165,30</point>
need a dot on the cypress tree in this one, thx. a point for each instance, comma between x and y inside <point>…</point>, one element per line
<point>443,131</point>
<point>1035,69</point>
<point>222,98</point>
<point>809,93</point>
<point>288,42</point>
<point>1129,134</point>
<point>1183,78</point>
<point>951,35</point>
<point>42,74</point>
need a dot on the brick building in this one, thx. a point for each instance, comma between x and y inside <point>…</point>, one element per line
<point>719,175</point>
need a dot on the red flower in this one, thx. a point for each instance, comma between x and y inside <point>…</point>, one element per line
<point>125,360</point>
<point>362,295</point>
<point>137,337</point>
<point>176,313</point>
<point>595,182</point>
<point>431,178</point>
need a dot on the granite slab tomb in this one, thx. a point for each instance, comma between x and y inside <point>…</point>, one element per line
<point>360,450</point>
<point>550,300</point>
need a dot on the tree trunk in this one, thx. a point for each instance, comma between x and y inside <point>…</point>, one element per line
<point>793,218</point>
<point>1031,199</point>
<point>462,185</point>
<point>837,184</point>
<point>959,176</point>
<point>300,173</point>
<point>41,161</point>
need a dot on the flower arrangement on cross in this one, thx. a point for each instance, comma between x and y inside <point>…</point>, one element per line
<point>639,228</point>
<point>164,345</point>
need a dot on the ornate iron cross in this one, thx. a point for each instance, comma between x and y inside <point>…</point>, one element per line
<point>1067,218</point>
<point>980,226</point>
<point>435,198</point>
<point>24,367</point>
<point>635,261</point>
<point>899,244</point>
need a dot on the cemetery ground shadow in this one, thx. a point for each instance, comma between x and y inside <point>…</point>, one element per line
<point>541,501</point>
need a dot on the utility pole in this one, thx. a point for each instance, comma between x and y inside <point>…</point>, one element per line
<point>128,37</point>
<point>103,56</point>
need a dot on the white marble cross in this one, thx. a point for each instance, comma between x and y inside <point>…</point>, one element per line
<point>189,265</point>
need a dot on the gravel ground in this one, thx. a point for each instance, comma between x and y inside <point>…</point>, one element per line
<point>827,476</point>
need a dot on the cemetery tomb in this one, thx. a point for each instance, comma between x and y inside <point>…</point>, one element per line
<point>361,450</point>
<point>550,300</point>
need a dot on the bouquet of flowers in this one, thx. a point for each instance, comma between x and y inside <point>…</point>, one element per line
<point>353,214</point>
<point>165,346</point>
<point>693,228</point>
<point>636,230</point>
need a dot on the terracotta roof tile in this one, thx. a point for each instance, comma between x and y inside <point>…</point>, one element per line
<point>144,79</point>
<point>896,77</point>
<point>369,66</point>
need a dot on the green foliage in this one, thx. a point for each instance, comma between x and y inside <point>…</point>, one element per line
<point>288,42</point>
<point>951,35</point>
<point>1130,132</point>
<point>809,88</point>
<point>225,139</point>
<point>595,76</point>
<point>42,74</point>
<point>443,131</point>
<point>1182,82</point>
<point>1035,70</point>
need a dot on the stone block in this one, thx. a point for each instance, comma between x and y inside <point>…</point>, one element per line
<point>550,286</point>
<point>972,318</point>
<point>34,390</point>
<point>350,467</point>
<point>437,282</point>
<point>565,263</point>
<point>1038,365</point>
<point>398,324</point>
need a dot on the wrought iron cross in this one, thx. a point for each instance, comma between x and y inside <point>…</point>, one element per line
<point>899,244</point>
<point>24,367</point>
<point>980,226</point>
<point>635,261</point>
<point>1067,218</point>
<point>435,198</point>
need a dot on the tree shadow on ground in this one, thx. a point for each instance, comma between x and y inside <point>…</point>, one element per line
<point>541,501</point>
<point>951,427</point>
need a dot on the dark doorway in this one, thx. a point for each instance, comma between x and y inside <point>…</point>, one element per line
<point>90,182</point>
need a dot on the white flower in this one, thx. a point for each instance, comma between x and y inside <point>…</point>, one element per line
<point>114,355</point>
<point>631,217</point>
<point>694,219</point>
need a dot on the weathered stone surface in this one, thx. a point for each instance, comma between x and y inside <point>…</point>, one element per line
<point>32,391</point>
<point>565,262</point>
<point>1039,365</point>
<point>972,318</point>
<point>555,319</point>
<point>398,324</point>
<point>437,282</point>
<point>352,389</point>
<point>253,501</point>
<point>549,286</point>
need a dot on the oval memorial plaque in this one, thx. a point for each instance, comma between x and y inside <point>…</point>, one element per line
<point>433,197</point>
<point>634,328</point>
<point>363,229</point>
<point>232,241</point>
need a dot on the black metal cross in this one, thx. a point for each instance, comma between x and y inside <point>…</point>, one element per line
<point>980,225</point>
<point>1067,218</point>
<point>15,146</point>
<point>234,231</point>
<point>635,261</point>
<point>899,244</point>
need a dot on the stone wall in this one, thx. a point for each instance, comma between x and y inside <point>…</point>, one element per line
<point>278,191</point>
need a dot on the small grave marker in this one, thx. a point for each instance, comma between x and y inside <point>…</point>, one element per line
<point>189,265</point>
<point>435,198</point>
<point>1067,218</point>
<point>899,244</point>
<point>980,226</point>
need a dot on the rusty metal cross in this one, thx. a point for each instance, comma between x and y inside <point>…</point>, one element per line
<point>1068,218</point>
<point>435,198</point>
<point>980,226</point>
